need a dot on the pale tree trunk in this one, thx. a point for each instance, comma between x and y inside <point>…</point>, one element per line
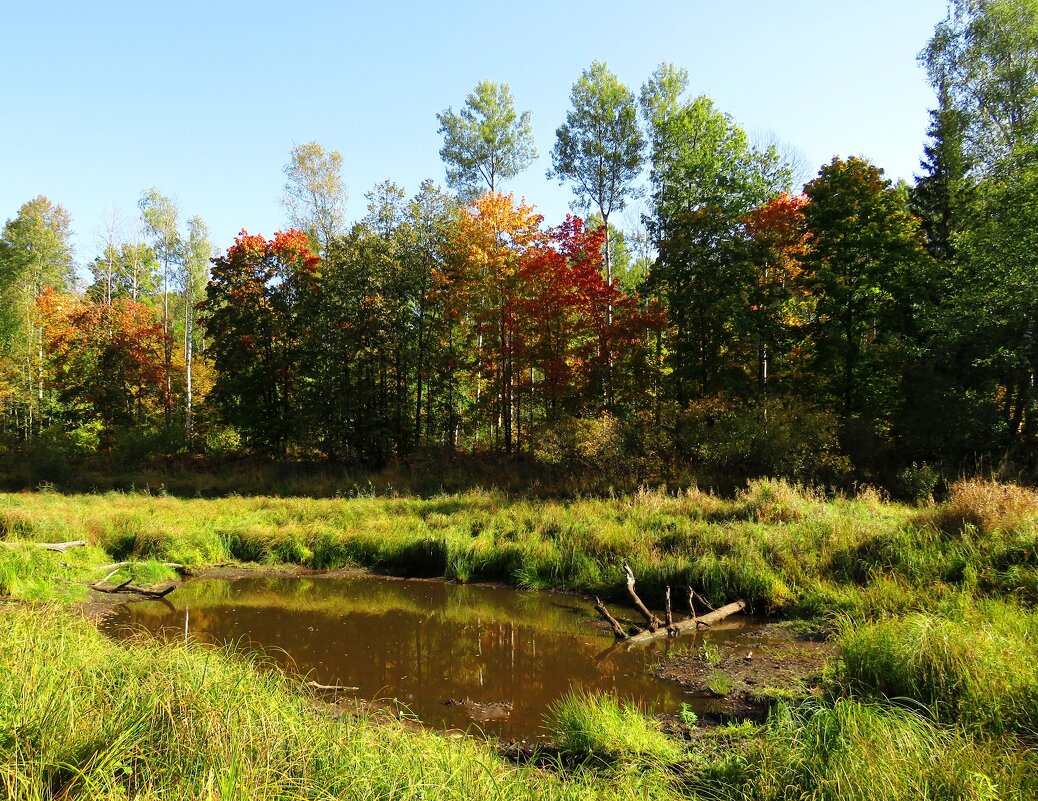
<point>188,349</point>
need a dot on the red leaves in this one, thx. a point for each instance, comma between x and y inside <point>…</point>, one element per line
<point>107,357</point>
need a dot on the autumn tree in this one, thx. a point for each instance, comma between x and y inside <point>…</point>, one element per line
<point>35,254</point>
<point>486,142</point>
<point>259,303</point>
<point>107,361</point>
<point>492,237</point>
<point>780,303</point>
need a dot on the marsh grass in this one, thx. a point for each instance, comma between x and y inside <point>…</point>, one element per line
<point>782,548</point>
<point>853,751</point>
<point>978,667</point>
<point>84,718</point>
<point>604,728</point>
<point>988,506</point>
<point>934,696</point>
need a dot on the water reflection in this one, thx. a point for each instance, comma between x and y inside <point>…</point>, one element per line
<point>453,654</point>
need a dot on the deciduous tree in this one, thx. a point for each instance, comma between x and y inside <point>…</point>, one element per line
<point>259,304</point>
<point>315,193</point>
<point>487,141</point>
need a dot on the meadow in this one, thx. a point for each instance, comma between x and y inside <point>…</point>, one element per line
<point>933,693</point>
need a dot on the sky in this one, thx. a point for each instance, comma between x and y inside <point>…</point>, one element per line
<point>205,100</point>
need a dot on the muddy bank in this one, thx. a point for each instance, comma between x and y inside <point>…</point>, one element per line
<point>777,661</point>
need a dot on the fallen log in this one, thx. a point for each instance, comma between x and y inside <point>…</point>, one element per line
<point>114,566</point>
<point>702,621</point>
<point>60,547</point>
<point>656,627</point>
<point>128,588</point>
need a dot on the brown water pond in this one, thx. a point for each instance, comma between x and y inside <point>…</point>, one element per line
<point>453,655</point>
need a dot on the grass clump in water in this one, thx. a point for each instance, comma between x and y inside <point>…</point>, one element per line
<point>590,726</point>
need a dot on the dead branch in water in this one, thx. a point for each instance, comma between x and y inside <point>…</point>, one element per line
<point>703,621</point>
<point>314,685</point>
<point>651,619</point>
<point>656,627</point>
<point>618,630</point>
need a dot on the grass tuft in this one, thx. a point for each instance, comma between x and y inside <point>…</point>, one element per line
<point>589,726</point>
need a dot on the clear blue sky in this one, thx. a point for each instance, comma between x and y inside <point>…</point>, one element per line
<point>204,100</point>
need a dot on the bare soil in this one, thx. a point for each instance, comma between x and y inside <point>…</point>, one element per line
<point>780,662</point>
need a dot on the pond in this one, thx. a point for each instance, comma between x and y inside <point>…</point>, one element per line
<point>457,656</point>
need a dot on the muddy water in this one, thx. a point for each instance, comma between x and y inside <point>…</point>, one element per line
<point>455,656</point>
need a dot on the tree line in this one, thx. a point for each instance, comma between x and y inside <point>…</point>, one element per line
<point>851,328</point>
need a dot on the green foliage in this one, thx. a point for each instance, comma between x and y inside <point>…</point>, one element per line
<point>486,141</point>
<point>315,194</point>
<point>687,715</point>
<point>152,721</point>
<point>869,273</point>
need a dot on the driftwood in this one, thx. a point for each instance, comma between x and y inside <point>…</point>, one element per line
<point>703,621</point>
<point>60,547</point>
<point>670,627</point>
<point>114,567</point>
<point>130,588</point>
<point>618,630</point>
<point>127,587</point>
<point>314,685</point>
<point>651,619</point>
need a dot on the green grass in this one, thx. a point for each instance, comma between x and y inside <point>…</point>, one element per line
<point>852,751</point>
<point>782,549</point>
<point>978,667</point>
<point>105,721</point>
<point>588,726</point>
<point>934,694</point>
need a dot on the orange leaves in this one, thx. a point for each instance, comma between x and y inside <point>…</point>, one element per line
<point>105,358</point>
<point>778,234</point>
<point>539,311</point>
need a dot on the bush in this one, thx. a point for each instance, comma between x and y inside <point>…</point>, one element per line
<point>777,437</point>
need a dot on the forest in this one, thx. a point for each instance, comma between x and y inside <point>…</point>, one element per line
<point>847,330</point>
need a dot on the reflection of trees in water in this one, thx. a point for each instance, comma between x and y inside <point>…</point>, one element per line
<point>422,642</point>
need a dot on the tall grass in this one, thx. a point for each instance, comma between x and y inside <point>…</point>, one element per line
<point>601,727</point>
<point>979,668</point>
<point>781,548</point>
<point>852,751</point>
<point>84,718</point>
